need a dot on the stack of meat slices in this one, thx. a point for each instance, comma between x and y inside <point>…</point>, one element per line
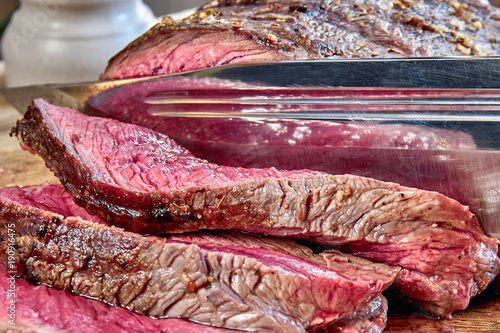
<point>228,280</point>
<point>164,241</point>
<point>150,237</point>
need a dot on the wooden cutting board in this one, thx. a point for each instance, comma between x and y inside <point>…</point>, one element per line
<point>19,167</point>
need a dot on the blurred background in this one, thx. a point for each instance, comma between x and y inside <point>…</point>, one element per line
<point>162,7</point>
<point>159,7</point>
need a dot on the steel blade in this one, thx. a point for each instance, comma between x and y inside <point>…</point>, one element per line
<point>441,72</point>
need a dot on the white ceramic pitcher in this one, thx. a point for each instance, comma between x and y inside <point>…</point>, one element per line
<point>62,41</point>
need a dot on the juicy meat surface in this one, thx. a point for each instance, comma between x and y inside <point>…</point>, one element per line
<point>230,280</point>
<point>225,32</point>
<point>132,177</point>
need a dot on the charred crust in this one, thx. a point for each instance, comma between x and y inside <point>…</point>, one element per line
<point>315,29</point>
<point>298,8</point>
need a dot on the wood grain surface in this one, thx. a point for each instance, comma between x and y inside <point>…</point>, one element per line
<point>19,167</point>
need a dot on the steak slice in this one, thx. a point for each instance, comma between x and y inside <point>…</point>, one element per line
<point>418,156</point>
<point>225,32</point>
<point>42,309</point>
<point>141,180</point>
<point>230,280</point>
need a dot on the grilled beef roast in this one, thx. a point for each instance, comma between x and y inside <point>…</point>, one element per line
<point>230,280</point>
<point>141,180</point>
<point>225,32</point>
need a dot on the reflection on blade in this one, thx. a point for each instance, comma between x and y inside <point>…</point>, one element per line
<point>331,115</point>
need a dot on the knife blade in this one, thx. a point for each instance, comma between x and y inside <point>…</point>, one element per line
<point>440,72</point>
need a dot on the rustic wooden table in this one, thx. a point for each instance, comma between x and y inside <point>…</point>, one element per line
<point>19,167</point>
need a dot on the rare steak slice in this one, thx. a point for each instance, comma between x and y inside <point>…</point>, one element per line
<point>143,181</point>
<point>226,32</point>
<point>231,280</point>
<point>424,157</point>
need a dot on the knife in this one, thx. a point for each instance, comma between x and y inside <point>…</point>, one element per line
<point>416,73</point>
<point>436,90</point>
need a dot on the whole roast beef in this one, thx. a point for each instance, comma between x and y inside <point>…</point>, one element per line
<point>231,280</point>
<point>225,32</point>
<point>143,181</point>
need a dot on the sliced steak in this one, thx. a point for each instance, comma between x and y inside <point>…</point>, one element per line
<point>230,280</point>
<point>225,32</point>
<point>418,156</point>
<point>143,181</point>
<point>414,155</point>
<point>42,309</point>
